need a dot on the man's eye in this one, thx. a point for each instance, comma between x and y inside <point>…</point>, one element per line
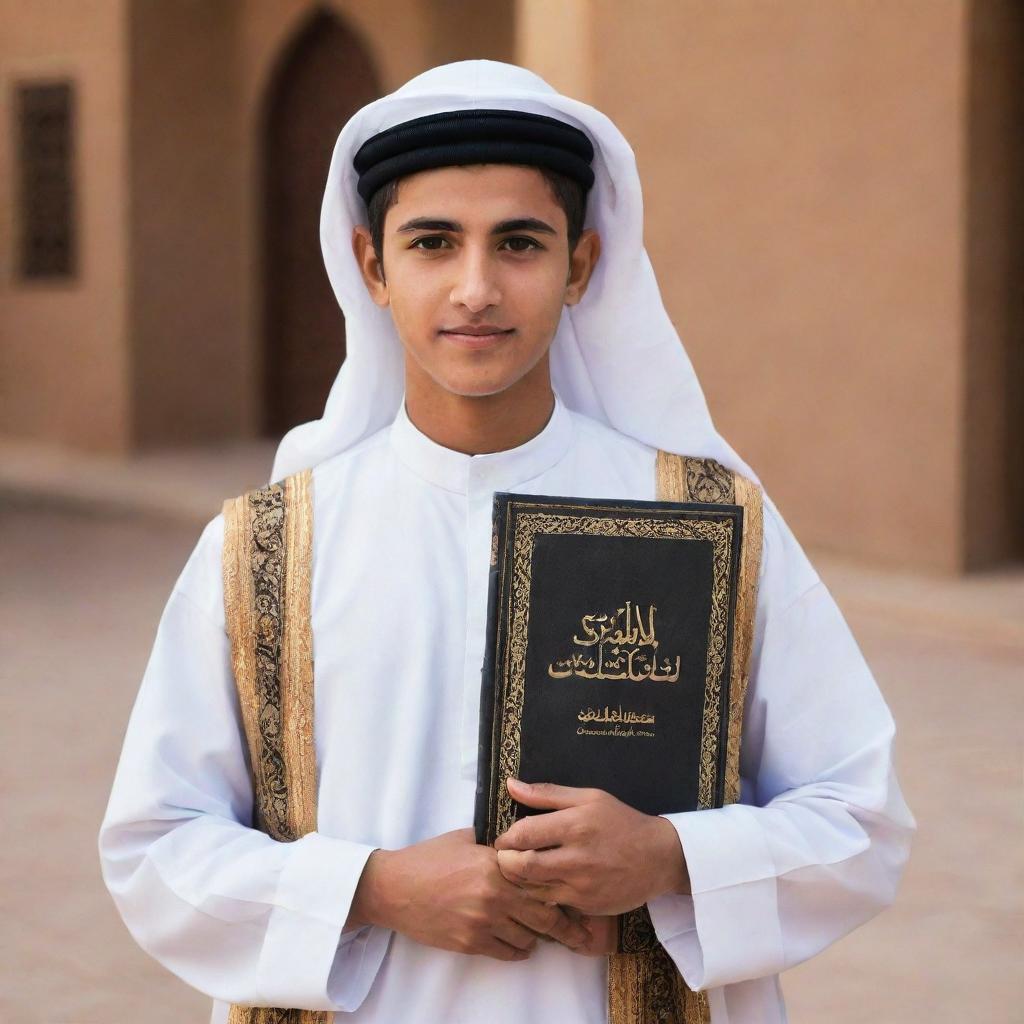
<point>429,239</point>
<point>530,243</point>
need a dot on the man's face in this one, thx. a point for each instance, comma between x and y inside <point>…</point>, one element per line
<point>476,270</point>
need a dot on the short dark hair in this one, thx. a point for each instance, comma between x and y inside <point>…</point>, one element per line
<point>568,193</point>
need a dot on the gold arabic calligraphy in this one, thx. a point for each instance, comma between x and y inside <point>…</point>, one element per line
<point>622,653</point>
<point>615,715</point>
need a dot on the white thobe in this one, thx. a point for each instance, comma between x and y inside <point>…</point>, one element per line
<point>400,572</point>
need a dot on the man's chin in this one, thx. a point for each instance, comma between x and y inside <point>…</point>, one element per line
<point>477,386</point>
<point>480,392</point>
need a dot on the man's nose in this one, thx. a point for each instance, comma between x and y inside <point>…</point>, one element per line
<point>476,286</point>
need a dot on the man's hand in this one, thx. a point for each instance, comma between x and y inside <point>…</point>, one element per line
<point>604,936</point>
<point>448,892</point>
<point>592,852</point>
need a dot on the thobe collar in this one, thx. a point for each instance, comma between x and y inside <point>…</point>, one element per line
<point>504,470</point>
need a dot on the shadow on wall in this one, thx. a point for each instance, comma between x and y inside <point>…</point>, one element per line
<point>994,333</point>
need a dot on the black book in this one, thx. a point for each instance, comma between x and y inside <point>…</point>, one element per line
<point>609,651</point>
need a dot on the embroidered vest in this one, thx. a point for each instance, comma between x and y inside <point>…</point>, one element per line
<point>267,566</point>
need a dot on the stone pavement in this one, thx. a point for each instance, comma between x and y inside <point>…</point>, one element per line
<point>84,583</point>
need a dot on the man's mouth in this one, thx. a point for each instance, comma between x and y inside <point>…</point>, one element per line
<point>477,335</point>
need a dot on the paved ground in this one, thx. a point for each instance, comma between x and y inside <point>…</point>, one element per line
<point>81,597</point>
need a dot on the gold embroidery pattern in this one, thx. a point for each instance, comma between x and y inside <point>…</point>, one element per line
<point>267,567</point>
<point>708,480</point>
<point>636,931</point>
<point>748,494</point>
<point>266,560</point>
<point>533,524</point>
<point>646,988</point>
<point>644,985</point>
<point>296,662</point>
<point>273,1015</point>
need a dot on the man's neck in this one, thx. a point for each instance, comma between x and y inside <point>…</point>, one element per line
<point>479,425</point>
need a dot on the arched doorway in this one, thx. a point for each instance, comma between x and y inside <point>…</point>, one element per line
<point>323,77</point>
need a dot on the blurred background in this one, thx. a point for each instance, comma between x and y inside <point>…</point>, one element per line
<point>834,210</point>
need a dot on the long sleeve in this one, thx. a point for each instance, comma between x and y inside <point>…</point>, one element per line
<point>229,910</point>
<point>817,844</point>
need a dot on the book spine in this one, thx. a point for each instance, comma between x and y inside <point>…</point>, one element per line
<point>488,673</point>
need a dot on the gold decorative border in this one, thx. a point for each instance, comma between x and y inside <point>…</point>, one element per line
<point>749,496</point>
<point>297,655</point>
<point>253,563</point>
<point>267,570</point>
<point>274,1015</point>
<point>684,478</point>
<point>647,988</point>
<point>533,524</point>
<point>644,985</point>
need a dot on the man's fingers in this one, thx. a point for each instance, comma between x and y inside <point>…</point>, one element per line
<point>516,935</point>
<point>525,866</point>
<point>499,950</point>
<point>570,933</point>
<point>535,832</point>
<point>556,892</point>
<point>548,796</point>
<point>534,867</point>
<point>551,920</point>
<point>604,936</point>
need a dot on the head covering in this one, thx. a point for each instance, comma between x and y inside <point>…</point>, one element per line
<point>456,137</point>
<point>615,357</point>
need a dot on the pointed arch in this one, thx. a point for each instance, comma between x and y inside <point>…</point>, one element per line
<point>323,75</point>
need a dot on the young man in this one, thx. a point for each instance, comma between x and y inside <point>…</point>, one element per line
<point>494,343</point>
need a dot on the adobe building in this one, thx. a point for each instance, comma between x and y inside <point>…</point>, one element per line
<point>834,214</point>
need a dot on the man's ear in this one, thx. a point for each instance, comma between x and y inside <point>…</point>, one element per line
<point>370,266</point>
<point>581,265</point>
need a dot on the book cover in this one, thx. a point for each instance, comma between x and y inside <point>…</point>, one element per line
<point>608,653</point>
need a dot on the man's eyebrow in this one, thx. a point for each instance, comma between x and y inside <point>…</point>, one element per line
<point>523,224</point>
<point>502,228</point>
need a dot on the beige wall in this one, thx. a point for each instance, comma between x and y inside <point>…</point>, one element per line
<point>833,205</point>
<point>200,74</point>
<point>191,378</point>
<point>808,168</point>
<point>163,330</point>
<point>810,245</point>
<point>993,342</point>
<point>64,349</point>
